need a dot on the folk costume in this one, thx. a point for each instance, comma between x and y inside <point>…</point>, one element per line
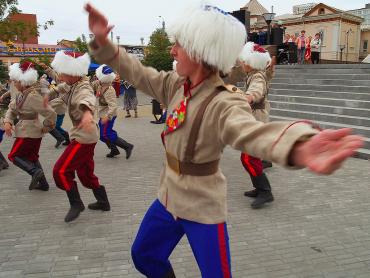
<point>202,120</point>
<point>26,107</point>
<point>79,154</point>
<point>107,110</point>
<point>257,58</point>
<point>3,163</point>
<point>59,133</point>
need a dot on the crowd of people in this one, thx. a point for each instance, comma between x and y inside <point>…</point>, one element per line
<point>191,200</point>
<point>309,48</point>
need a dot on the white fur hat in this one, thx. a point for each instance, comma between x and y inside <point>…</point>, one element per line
<point>255,56</point>
<point>209,35</point>
<point>105,74</point>
<point>71,63</point>
<point>24,72</point>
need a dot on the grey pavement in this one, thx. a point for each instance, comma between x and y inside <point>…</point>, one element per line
<point>317,227</point>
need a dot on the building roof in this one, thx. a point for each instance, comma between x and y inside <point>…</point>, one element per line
<point>255,8</point>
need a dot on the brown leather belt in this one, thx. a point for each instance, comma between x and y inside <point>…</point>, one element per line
<point>28,117</point>
<point>192,169</point>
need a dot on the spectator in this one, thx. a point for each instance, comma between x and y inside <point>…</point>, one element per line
<point>307,55</point>
<point>130,99</point>
<point>301,46</point>
<point>316,49</point>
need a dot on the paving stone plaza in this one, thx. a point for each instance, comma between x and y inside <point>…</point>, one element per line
<point>316,227</point>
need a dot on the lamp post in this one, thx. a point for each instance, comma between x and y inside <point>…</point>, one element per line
<point>341,47</point>
<point>163,22</point>
<point>347,35</point>
<point>268,17</point>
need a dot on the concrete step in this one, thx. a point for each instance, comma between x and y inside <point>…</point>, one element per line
<point>362,153</point>
<point>316,87</point>
<point>323,117</point>
<point>325,66</point>
<point>295,80</point>
<point>324,94</point>
<point>322,101</point>
<point>347,76</point>
<point>360,130</point>
<point>317,108</point>
<point>323,71</point>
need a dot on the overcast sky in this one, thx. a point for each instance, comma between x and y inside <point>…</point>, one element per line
<point>137,18</point>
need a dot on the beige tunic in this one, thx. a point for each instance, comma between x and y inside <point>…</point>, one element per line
<point>257,87</point>
<point>29,125</point>
<point>80,94</point>
<point>107,100</point>
<point>228,120</point>
<point>56,93</point>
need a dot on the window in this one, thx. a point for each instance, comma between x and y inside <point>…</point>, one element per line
<point>364,46</point>
<point>321,11</point>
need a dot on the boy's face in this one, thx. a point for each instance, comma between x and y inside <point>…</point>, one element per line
<point>185,66</point>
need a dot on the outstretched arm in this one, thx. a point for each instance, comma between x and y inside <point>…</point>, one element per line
<point>159,85</point>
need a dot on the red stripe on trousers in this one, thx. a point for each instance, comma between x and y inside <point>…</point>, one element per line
<point>65,165</point>
<point>105,131</point>
<point>245,160</point>
<point>223,251</point>
<point>15,148</point>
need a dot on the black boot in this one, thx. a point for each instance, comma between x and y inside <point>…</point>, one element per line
<point>59,137</point>
<point>31,169</point>
<point>262,184</point>
<point>113,150</point>
<point>170,274</point>
<point>77,205</point>
<point>3,163</point>
<point>43,184</point>
<point>252,193</point>
<point>125,145</point>
<point>66,139</point>
<point>102,199</point>
<point>266,164</point>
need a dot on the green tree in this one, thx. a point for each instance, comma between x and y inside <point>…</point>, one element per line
<point>9,29</point>
<point>158,51</point>
<point>81,45</point>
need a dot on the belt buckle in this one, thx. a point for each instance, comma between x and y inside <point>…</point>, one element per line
<point>174,163</point>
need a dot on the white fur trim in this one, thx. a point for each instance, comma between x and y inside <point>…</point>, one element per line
<point>104,78</point>
<point>209,36</point>
<point>254,59</point>
<point>174,63</point>
<point>66,64</point>
<point>26,78</point>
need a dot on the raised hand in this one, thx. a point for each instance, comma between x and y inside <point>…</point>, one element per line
<point>87,121</point>
<point>98,25</point>
<point>325,152</point>
<point>8,129</point>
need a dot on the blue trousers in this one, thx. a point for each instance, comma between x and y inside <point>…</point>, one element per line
<point>58,125</point>
<point>1,135</point>
<point>159,234</point>
<point>106,131</point>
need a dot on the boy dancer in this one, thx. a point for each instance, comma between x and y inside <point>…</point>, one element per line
<point>192,193</point>
<point>254,60</point>
<point>72,69</point>
<point>26,107</point>
<point>107,111</point>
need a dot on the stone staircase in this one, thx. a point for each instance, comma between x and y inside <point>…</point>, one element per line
<point>331,95</point>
